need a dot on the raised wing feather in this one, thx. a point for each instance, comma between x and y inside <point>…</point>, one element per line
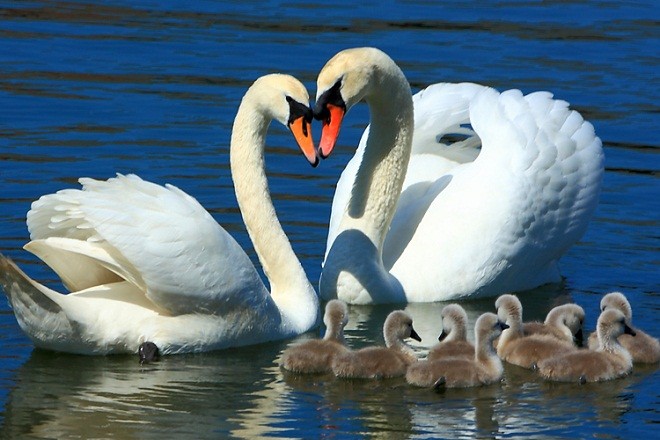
<point>186,262</point>
<point>502,221</point>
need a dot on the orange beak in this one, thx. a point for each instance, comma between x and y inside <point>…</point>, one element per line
<point>301,129</point>
<point>331,126</point>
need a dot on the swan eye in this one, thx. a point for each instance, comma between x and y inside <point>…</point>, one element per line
<point>331,96</point>
<point>297,110</point>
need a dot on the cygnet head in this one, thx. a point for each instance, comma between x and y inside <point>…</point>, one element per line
<point>509,309</point>
<point>454,323</point>
<point>569,318</point>
<point>335,319</point>
<point>398,326</point>
<point>612,324</point>
<point>617,300</point>
<point>487,328</point>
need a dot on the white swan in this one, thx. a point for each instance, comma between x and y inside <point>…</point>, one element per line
<point>482,215</point>
<point>147,263</point>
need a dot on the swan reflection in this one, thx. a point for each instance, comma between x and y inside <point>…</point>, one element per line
<point>188,396</point>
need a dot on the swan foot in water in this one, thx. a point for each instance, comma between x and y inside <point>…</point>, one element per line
<point>148,352</point>
<point>439,384</point>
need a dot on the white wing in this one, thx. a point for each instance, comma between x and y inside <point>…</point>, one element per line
<point>442,139</point>
<point>158,238</point>
<point>500,223</point>
<point>498,187</point>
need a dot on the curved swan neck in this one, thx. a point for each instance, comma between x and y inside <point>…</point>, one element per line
<point>334,332</point>
<point>290,288</point>
<point>484,349</point>
<point>381,174</point>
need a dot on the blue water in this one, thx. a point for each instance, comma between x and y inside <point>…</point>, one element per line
<point>96,88</point>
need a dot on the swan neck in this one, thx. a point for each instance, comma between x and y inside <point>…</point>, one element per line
<point>334,334</point>
<point>484,349</point>
<point>290,288</point>
<point>381,174</point>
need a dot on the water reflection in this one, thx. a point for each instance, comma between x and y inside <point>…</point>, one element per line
<point>391,409</point>
<point>243,393</point>
<point>65,396</point>
<point>91,89</point>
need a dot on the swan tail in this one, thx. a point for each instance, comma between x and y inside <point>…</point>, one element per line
<point>36,307</point>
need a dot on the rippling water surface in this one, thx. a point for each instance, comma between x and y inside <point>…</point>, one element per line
<point>92,89</point>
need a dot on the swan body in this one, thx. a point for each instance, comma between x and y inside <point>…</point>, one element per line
<point>316,355</point>
<point>146,262</point>
<point>458,191</point>
<point>453,339</point>
<point>483,368</point>
<point>381,362</point>
<point>609,361</point>
<point>643,348</point>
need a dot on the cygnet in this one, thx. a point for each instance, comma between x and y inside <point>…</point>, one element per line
<point>563,322</point>
<point>484,368</point>
<point>316,355</point>
<point>453,339</point>
<point>381,362</point>
<point>609,361</point>
<point>643,348</point>
<point>516,348</point>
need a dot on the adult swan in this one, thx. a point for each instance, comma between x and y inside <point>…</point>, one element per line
<point>451,220</point>
<point>147,264</point>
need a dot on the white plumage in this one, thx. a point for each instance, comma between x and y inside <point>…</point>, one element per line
<point>146,262</point>
<point>497,189</point>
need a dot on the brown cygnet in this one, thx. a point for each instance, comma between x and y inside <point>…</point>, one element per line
<point>381,362</point>
<point>563,322</point>
<point>453,339</point>
<point>516,348</point>
<point>316,355</point>
<point>484,368</point>
<point>643,348</point>
<point>609,361</point>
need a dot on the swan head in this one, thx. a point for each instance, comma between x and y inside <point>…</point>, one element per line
<point>398,326</point>
<point>347,78</point>
<point>612,324</point>
<point>616,300</point>
<point>454,322</point>
<point>285,99</point>
<point>335,319</point>
<point>572,318</point>
<point>488,327</point>
<point>509,309</point>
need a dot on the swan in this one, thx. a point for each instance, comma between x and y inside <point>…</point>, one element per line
<point>453,338</point>
<point>146,264</point>
<point>381,362</point>
<point>644,348</point>
<point>316,355</point>
<point>609,361</point>
<point>482,368</point>
<point>458,191</point>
